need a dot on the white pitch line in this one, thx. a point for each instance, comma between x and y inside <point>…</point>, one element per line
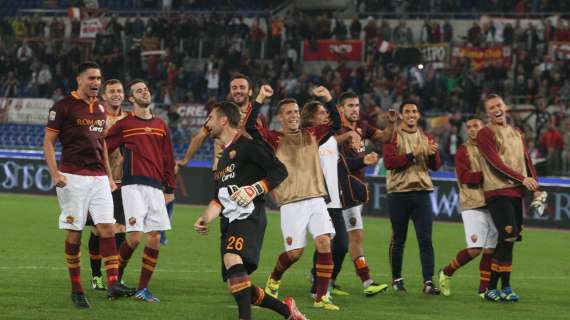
<point>262,271</point>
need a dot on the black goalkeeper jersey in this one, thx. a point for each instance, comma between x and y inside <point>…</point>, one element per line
<point>245,162</point>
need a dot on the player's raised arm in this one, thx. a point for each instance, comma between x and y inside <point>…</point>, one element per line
<point>385,135</point>
<point>325,131</point>
<point>195,144</point>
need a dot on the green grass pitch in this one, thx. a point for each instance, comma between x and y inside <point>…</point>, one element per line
<point>34,282</point>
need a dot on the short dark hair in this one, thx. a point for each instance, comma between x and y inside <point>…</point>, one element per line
<point>131,84</point>
<point>242,76</point>
<point>308,113</point>
<point>230,110</point>
<point>284,102</point>
<point>490,96</point>
<point>111,82</point>
<point>346,95</point>
<point>473,117</point>
<point>87,65</point>
<point>405,102</point>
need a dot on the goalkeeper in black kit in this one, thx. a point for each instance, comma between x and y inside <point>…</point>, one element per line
<point>246,171</point>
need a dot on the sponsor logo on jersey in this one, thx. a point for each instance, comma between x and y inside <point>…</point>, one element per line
<point>52,115</point>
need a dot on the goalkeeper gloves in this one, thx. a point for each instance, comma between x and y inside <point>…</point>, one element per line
<point>537,204</point>
<point>243,196</point>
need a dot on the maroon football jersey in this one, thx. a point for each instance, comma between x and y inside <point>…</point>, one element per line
<point>80,126</point>
<point>147,149</point>
<point>349,150</point>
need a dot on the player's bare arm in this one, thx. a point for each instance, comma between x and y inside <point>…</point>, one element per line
<point>49,153</point>
<point>195,144</point>
<point>212,212</point>
<point>112,183</point>
<point>385,135</point>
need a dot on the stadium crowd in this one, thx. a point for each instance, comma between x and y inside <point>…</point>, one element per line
<point>37,60</point>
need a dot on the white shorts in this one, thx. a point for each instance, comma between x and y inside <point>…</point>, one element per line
<point>82,195</point>
<point>145,208</point>
<point>480,231</point>
<point>299,216</point>
<point>353,218</point>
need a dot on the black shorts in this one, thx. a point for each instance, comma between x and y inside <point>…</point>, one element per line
<point>507,213</point>
<point>118,211</point>
<point>244,238</point>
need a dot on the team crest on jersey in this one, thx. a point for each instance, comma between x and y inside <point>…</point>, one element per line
<point>509,229</point>
<point>352,221</point>
<point>289,241</point>
<point>474,238</point>
<point>52,115</point>
<point>69,219</point>
<point>232,154</point>
<point>132,221</point>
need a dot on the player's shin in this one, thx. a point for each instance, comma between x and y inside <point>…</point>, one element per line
<point>259,298</point>
<point>240,287</point>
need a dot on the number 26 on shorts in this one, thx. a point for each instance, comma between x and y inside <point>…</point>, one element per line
<point>235,243</point>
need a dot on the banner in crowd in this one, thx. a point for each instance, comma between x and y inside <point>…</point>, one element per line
<point>445,203</point>
<point>29,111</point>
<point>559,51</point>
<point>435,54</point>
<point>333,50</point>
<point>192,116</point>
<point>90,27</point>
<point>481,56</point>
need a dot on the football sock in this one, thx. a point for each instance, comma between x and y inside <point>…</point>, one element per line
<point>507,265</point>
<point>94,256</point>
<point>362,270</point>
<point>283,263</point>
<point>240,287</point>
<point>150,257</point>
<point>125,253</point>
<point>110,258</point>
<point>461,259</point>
<point>73,266</point>
<point>323,269</point>
<point>485,271</point>
<point>119,239</point>
<point>259,298</point>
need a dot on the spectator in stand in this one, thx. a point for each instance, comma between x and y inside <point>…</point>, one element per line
<point>402,34</point>
<point>566,148</point>
<point>435,33</point>
<point>474,34</point>
<point>553,143</point>
<point>355,28</point>
<point>213,78</point>
<point>426,32</point>
<point>44,81</point>
<point>447,31</point>
<point>340,31</point>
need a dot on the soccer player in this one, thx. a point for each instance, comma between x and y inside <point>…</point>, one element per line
<point>247,170</point>
<point>83,179</point>
<point>408,157</point>
<point>301,195</point>
<point>240,94</point>
<point>148,181</point>
<point>507,171</point>
<point>480,232</point>
<point>353,150</point>
<point>113,95</point>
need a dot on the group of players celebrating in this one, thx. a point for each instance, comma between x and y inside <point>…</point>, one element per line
<point>117,171</point>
